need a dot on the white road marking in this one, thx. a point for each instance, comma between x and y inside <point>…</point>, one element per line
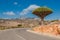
<point>20,36</point>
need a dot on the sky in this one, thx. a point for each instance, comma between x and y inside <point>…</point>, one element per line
<point>10,9</point>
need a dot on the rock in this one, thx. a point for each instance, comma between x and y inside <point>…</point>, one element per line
<point>50,29</point>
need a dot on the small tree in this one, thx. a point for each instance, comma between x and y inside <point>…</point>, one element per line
<point>42,12</point>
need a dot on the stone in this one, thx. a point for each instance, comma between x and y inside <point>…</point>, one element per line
<point>50,29</point>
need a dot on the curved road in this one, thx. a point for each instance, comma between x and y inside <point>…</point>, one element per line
<point>22,34</point>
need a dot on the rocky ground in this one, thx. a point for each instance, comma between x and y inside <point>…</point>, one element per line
<point>53,29</point>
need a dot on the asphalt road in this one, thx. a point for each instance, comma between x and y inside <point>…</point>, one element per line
<point>22,34</point>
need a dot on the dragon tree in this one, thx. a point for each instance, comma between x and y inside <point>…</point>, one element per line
<point>42,12</point>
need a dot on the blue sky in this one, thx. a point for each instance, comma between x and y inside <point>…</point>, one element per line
<point>24,8</point>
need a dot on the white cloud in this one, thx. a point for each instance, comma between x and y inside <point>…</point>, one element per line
<point>15,3</point>
<point>9,13</point>
<point>29,9</point>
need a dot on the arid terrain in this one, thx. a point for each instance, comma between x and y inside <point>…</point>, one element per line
<point>18,23</point>
<point>24,23</point>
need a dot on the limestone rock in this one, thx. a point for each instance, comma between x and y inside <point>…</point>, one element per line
<point>50,29</point>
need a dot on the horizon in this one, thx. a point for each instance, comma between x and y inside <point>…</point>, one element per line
<point>11,9</point>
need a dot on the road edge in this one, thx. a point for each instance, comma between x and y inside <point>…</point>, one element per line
<point>44,34</point>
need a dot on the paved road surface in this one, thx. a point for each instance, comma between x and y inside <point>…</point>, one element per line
<point>22,34</point>
<point>9,35</point>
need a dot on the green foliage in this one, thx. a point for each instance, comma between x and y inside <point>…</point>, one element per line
<point>42,11</point>
<point>2,28</point>
<point>19,25</point>
<point>54,20</point>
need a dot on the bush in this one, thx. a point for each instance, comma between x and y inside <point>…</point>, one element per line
<point>19,25</point>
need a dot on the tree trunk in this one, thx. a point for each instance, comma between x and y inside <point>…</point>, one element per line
<point>42,21</point>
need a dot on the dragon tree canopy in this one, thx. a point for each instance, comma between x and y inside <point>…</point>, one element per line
<point>42,11</point>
